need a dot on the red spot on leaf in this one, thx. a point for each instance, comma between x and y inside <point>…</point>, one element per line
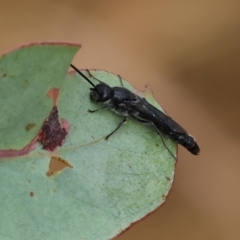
<point>65,124</point>
<point>52,133</point>
<point>54,93</point>
<point>16,153</point>
<point>31,194</point>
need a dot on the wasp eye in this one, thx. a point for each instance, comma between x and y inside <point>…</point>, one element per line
<point>94,95</point>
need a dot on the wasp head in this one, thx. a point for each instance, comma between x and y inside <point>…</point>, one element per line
<point>101,93</point>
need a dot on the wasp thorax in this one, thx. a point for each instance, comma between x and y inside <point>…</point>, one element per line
<point>101,93</point>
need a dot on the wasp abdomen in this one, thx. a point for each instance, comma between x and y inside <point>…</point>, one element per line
<point>186,141</point>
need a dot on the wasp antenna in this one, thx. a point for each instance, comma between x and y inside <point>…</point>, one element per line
<point>80,73</point>
<point>94,77</point>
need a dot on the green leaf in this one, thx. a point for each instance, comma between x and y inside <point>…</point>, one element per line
<point>26,75</point>
<point>111,183</point>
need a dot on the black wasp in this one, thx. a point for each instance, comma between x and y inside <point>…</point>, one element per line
<point>126,103</point>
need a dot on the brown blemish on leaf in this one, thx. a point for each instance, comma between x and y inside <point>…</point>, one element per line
<point>148,89</point>
<point>31,194</point>
<point>30,126</point>
<point>52,133</point>
<point>4,75</point>
<point>56,165</point>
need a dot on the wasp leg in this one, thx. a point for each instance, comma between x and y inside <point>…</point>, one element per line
<point>140,120</point>
<point>100,80</point>
<point>119,125</point>
<point>104,107</point>
<point>160,134</point>
<point>120,80</point>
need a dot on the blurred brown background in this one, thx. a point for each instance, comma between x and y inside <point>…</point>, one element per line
<point>189,52</point>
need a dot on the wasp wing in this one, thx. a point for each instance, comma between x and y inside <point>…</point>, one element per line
<point>144,111</point>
